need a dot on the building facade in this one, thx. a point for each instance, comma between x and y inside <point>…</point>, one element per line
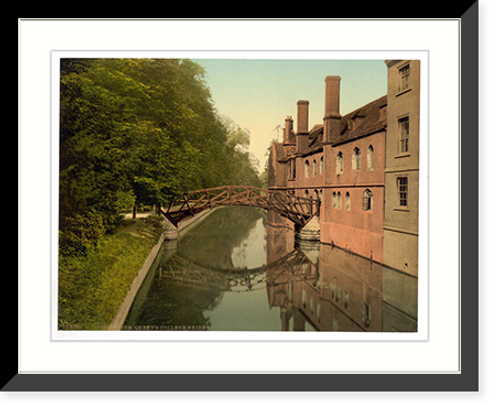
<point>402,166</point>
<point>358,165</point>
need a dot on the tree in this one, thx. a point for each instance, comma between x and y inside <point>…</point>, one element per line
<point>140,131</point>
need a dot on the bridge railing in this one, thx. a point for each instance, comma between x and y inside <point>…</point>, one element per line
<point>298,209</point>
<point>212,197</point>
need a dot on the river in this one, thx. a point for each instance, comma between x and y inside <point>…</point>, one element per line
<point>235,271</point>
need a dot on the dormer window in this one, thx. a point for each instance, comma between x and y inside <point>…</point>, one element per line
<point>357,120</point>
<point>382,112</point>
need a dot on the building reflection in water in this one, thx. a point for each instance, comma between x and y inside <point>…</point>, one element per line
<point>310,287</point>
<point>322,288</point>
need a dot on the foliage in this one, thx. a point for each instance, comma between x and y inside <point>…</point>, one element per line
<point>82,233</point>
<point>138,131</point>
<point>264,175</point>
<point>92,287</point>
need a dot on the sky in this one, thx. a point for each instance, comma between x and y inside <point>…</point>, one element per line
<point>259,94</point>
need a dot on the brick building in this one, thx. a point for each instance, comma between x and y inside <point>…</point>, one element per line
<point>362,165</point>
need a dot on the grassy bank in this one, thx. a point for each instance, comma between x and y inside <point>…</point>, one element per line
<point>92,288</point>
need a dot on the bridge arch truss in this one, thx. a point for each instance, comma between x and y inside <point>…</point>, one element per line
<point>297,209</point>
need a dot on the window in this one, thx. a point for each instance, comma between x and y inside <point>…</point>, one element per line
<point>316,194</point>
<point>314,167</point>
<point>307,193</point>
<point>366,314</point>
<point>321,195</point>
<point>404,134</point>
<point>369,158</point>
<point>340,163</point>
<point>306,169</point>
<point>347,201</point>
<point>346,299</point>
<point>403,191</point>
<point>334,200</point>
<point>356,159</point>
<point>291,169</point>
<point>339,200</point>
<point>321,166</point>
<point>404,76</point>
<point>367,200</point>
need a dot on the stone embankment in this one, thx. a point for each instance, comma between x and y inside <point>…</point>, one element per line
<point>170,234</point>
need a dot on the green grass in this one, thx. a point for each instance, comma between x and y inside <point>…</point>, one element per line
<point>92,288</point>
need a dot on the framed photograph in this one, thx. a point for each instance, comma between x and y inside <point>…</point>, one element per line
<point>323,247</point>
<point>200,197</point>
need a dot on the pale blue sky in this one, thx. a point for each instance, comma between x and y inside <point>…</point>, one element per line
<point>259,94</point>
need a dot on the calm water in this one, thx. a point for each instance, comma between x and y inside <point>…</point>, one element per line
<point>235,272</point>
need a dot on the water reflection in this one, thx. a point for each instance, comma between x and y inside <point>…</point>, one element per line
<point>344,292</point>
<point>235,271</point>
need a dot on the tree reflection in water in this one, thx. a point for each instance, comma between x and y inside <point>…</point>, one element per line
<point>239,270</point>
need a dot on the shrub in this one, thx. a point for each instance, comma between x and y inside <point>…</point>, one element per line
<point>81,233</point>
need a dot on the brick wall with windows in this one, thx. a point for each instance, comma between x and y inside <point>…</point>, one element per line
<point>348,219</point>
<point>364,166</point>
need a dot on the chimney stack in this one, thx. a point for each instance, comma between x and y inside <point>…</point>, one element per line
<point>287,133</point>
<point>331,126</point>
<point>302,125</point>
<point>302,116</point>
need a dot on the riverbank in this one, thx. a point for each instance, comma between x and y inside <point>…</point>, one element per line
<point>92,288</point>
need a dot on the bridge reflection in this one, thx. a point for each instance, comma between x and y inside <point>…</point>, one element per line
<point>283,271</point>
<point>316,287</point>
<point>242,269</point>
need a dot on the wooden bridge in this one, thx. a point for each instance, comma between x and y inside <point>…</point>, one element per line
<point>296,209</point>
